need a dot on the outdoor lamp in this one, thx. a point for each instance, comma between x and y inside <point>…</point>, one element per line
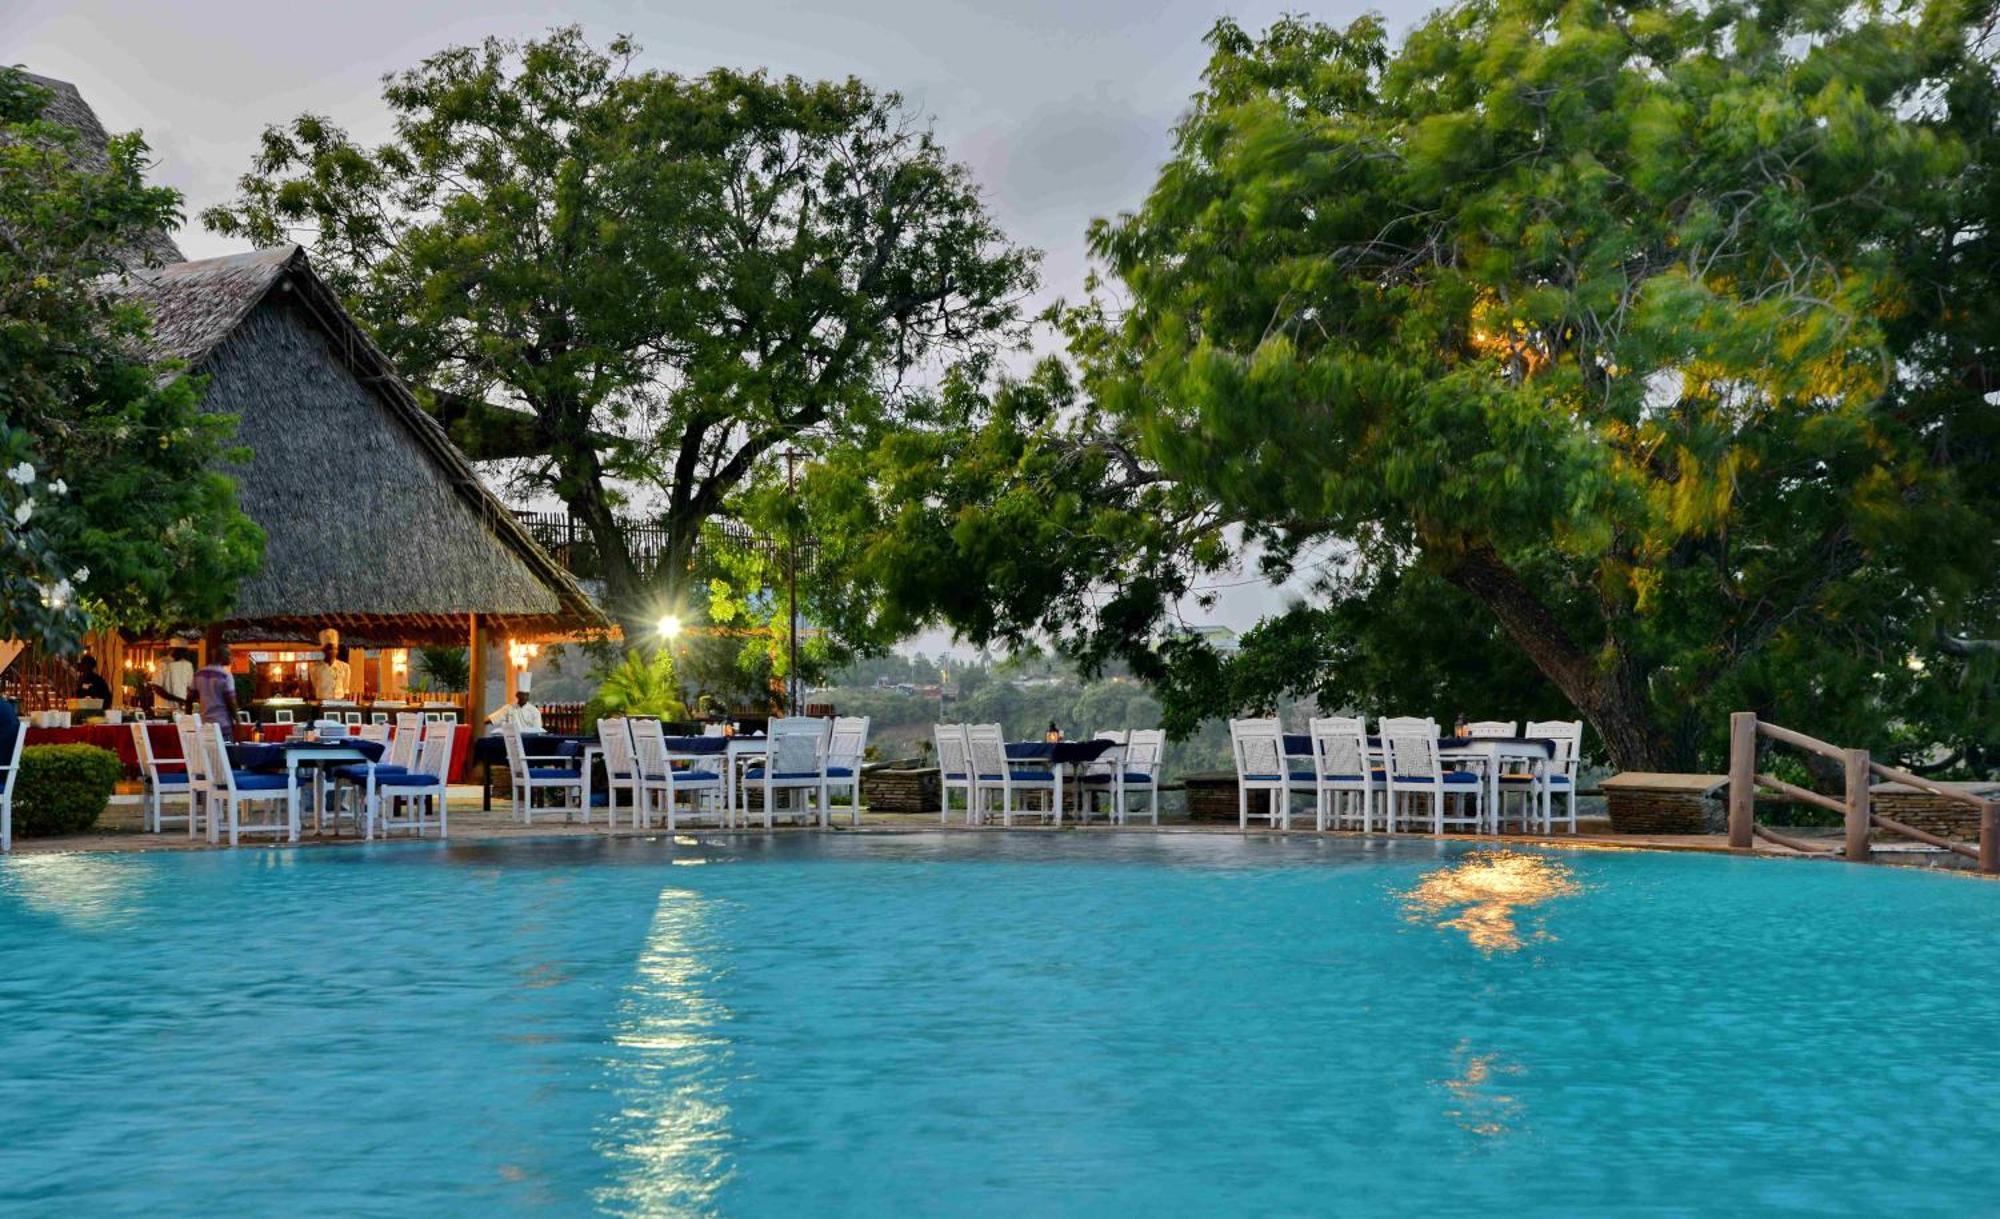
<point>670,627</point>
<point>1054,733</point>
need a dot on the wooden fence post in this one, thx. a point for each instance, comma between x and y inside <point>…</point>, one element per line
<point>1858,823</point>
<point>1742,778</point>
<point>1989,837</point>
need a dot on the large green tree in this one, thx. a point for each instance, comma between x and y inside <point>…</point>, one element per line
<point>114,514</point>
<point>674,279</point>
<point>1655,338</point>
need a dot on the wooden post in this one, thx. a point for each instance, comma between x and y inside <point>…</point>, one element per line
<point>475,694</point>
<point>1989,836</point>
<point>1858,823</point>
<point>1742,778</point>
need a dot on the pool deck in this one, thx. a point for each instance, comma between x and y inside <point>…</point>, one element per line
<point>120,830</point>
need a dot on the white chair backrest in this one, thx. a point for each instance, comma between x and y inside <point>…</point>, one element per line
<point>649,750</point>
<point>952,757</point>
<point>403,742</point>
<point>1410,748</point>
<point>11,762</point>
<point>846,741</point>
<point>193,748</point>
<point>1340,746</point>
<point>1109,761</point>
<point>986,748</point>
<point>620,756</point>
<point>1144,749</point>
<point>282,715</point>
<point>215,752</point>
<point>142,748</point>
<point>1491,728</point>
<point>1568,738</point>
<point>510,736</point>
<point>377,732</point>
<point>798,745</point>
<point>1259,746</point>
<point>435,757</point>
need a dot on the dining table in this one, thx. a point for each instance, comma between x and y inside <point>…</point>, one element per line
<point>1062,758</point>
<point>1489,754</point>
<point>316,757</point>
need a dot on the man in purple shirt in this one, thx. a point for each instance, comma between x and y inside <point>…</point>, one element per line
<point>215,689</point>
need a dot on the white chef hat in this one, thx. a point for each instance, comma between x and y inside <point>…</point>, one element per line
<point>525,682</point>
<point>329,635</point>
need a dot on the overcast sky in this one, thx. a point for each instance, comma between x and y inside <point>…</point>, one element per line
<point>1061,107</point>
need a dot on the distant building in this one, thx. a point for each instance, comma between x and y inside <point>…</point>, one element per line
<point>1221,638</point>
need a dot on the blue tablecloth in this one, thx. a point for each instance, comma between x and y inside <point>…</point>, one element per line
<point>698,744</point>
<point>272,756</point>
<point>492,748</point>
<point>1061,752</point>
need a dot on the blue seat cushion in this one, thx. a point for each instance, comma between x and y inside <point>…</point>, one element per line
<point>839,772</point>
<point>1554,780</point>
<point>256,781</point>
<point>1465,777</point>
<point>1131,776</point>
<point>177,780</point>
<point>409,780</point>
<point>757,772</point>
<point>383,772</point>
<point>552,772</point>
<point>688,776</point>
<point>956,776</point>
<point>1297,776</point>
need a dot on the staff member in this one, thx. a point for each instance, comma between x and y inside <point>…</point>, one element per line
<point>90,683</point>
<point>523,716</point>
<point>329,674</point>
<point>215,689</point>
<point>177,678</point>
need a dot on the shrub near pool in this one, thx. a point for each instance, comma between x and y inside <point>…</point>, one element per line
<point>62,789</point>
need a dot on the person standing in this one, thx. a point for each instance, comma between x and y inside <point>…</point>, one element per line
<point>215,688</point>
<point>90,683</point>
<point>329,674</point>
<point>177,679</point>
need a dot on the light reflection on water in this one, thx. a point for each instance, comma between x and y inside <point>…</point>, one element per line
<point>1483,893</point>
<point>1476,1104</point>
<point>668,1142</point>
<point>88,891</point>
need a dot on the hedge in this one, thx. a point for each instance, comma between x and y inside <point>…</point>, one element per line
<point>62,789</point>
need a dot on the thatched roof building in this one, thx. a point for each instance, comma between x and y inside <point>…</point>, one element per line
<point>67,108</point>
<point>375,523</point>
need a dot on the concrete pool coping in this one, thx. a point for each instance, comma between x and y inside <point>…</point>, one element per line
<point>119,832</point>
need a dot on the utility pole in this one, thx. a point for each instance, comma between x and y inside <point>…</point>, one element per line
<point>793,701</point>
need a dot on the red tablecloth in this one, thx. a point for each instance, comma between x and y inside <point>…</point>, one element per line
<point>118,739</point>
<point>115,737</point>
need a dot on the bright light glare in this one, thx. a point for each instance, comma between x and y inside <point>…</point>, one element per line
<point>670,627</point>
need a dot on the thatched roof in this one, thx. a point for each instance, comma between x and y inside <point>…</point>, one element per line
<point>68,109</point>
<point>374,521</point>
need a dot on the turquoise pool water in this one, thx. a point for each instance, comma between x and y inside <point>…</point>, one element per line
<point>992,1025</point>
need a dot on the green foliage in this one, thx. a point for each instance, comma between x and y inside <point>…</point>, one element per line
<point>679,277</point>
<point>1651,337</point>
<point>445,668</point>
<point>639,685</point>
<point>114,515</point>
<point>62,789</point>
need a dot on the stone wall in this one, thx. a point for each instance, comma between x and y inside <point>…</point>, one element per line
<point>902,791</point>
<point>1950,818</point>
<point>1640,810</point>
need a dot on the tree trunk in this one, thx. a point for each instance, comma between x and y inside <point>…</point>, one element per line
<point>1612,701</point>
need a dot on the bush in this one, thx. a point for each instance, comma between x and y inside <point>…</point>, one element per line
<point>62,789</point>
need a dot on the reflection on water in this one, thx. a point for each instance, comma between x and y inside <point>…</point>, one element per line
<point>94,891</point>
<point>1482,892</point>
<point>1476,1104</point>
<point>669,1141</point>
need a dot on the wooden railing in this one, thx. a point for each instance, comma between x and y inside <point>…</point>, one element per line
<point>1857,815</point>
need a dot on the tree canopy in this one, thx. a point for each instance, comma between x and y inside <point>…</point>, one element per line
<point>644,285</point>
<point>115,515</point>
<point>1646,341</point>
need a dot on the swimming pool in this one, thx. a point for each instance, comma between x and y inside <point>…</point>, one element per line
<point>1026,1024</point>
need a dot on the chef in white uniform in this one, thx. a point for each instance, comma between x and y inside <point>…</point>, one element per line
<point>523,716</point>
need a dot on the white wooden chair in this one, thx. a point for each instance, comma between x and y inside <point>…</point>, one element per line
<point>1414,768</point>
<point>161,778</point>
<point>1492,728</point>
<point>1261,766</point>
<point>232,791</point>
<point>994,775</point>
<point>1102,777</point>
<point>194,756</point>
<point>621,768</point>
<point>377,732</point>
<point>1558,775</point>
<point>1345,780</point>
<point>795,763</point>
<point>528,777</point>
<point>954,769</point>
<point>404,800</point>
<point>661,786</point>
<point>845,746</point>
<point>282,715</point>
<point>8,773</point>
